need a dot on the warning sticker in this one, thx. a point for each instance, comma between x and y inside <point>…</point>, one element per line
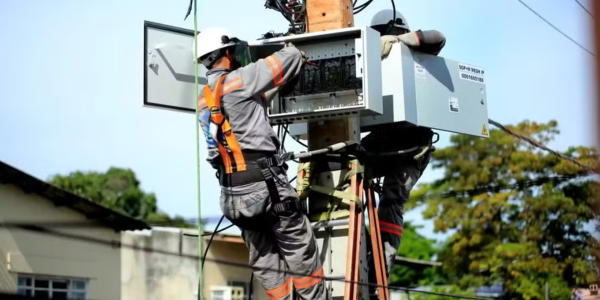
<point>470,73</point>
<point>484,130</point>
<point>453,104</point>
<point>420,72</point>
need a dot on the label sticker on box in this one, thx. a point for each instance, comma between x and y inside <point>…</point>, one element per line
<point>470,73</point>
<point>420,72</point>
<point>453,104</point>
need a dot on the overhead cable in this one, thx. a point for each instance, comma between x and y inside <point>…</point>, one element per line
<point>119,244</point>
<point>584,8</point>
<point>538,145</point>
<point>556,28</point>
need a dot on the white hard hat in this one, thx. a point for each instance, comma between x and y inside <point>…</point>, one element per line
<point>386,16</point>
<point>210,40</point>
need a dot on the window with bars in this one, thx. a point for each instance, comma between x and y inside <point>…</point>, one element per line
<point>52,287</point>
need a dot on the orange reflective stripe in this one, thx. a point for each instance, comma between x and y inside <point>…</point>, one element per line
<point>273,70</point>
<point>201,102</point>
<point>233,84</point>
<point>309,281</point>
<point>390,228</point>
<point>280,291</point>
<point>277,62</point>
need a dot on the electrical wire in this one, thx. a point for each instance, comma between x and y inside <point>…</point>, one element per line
<point>540,146</point>
<point>394,17</point>
<point>584,8</point>
<point>556,28</point>
<point>119,244</point>
<point>295,139</point>
<point>212,236</point>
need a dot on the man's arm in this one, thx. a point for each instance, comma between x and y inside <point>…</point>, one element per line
<point>428,41</point>
<point>271,72</point>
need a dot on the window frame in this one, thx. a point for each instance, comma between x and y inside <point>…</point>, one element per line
<point>70,290</point>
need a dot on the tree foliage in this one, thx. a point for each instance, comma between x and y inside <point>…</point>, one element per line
<point>119,190</point>
<point>414,246</point>
<point>520,237</point>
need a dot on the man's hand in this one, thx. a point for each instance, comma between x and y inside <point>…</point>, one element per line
<point>410,39</point>
<point>387,41</point>
<point>304,58</point>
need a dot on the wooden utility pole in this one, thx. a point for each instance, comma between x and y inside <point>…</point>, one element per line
<point>324,15</point>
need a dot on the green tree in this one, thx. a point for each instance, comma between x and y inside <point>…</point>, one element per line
<point>519,237</point>
<point>414,246</point>
<point>119,190</point>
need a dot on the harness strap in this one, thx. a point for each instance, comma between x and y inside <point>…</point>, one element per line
<point>217,117</point>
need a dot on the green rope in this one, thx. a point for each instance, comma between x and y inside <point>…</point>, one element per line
<point>200,271</point>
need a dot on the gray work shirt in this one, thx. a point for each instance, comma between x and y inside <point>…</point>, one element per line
<point>244,102</point>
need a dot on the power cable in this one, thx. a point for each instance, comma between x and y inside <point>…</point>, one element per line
<point>584,8</point>
<point>556,28</point>
<point>212,236</point>
<point>118,244</point>
<point>539,145</point>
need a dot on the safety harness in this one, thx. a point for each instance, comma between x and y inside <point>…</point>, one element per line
<point>241,167</point>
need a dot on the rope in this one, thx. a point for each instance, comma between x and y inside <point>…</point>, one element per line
<point>200,279</point>
<point>538,145</point>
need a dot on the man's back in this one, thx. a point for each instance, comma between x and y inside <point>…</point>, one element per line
<point>243,101</point>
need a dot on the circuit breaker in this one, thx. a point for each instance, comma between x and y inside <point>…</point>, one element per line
<point>342,79</point>
<point>428,91</point>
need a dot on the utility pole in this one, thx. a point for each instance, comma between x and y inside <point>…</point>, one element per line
<point>322,15</point>
<point>546,291</point>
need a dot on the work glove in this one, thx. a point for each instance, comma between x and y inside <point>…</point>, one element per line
<point>304,58</point>
<point>409,39</point>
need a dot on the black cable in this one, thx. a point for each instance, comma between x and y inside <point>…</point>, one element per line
<point>556,28</point>
<point>295,139</point>
<point>394,18</point>
<point>251,289</point>
<point>220,230</point>
<point>362,7</point>
<point>118,244</point>
<point>584,8</point>
<point>210,241</point>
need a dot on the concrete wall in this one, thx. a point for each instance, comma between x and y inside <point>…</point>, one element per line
<point>38,254</point>
<point>158,276</point>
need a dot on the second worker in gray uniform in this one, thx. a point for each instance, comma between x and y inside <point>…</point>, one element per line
<point>400,173</point>
<point>278,241</point>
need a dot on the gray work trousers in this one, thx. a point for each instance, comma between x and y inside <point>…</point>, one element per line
<point>400,177</point>
<point>277,243</point>
<point>400,173</point>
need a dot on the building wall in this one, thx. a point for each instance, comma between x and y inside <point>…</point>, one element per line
<point>33,253</point>
<point>174,274</point>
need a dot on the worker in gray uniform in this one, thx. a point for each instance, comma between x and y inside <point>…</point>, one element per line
<point>400,173</point>
<point>255,193</point>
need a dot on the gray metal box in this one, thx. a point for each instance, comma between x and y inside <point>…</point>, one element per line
<point>359,43</point>
<point>429,91</point>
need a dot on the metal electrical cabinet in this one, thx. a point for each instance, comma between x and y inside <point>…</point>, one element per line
<point>428,91</point>
<point>342,80</point>
<point>431,91</point>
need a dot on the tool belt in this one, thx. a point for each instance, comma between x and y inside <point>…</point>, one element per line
<point>263,166</point>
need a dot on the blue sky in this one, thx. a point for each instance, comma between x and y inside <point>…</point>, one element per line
<point>71,81</point>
